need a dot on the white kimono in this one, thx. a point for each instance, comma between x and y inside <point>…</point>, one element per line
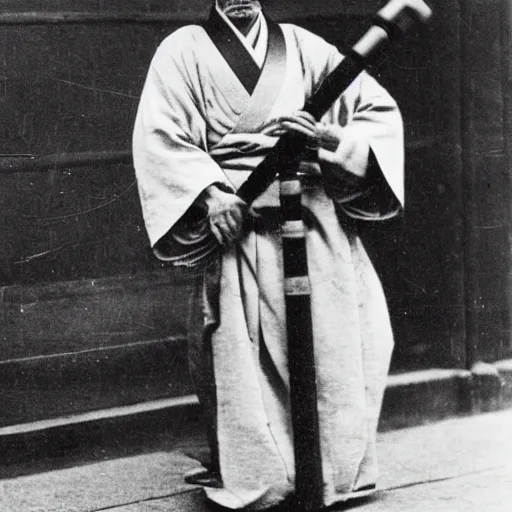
<point>197,125</point>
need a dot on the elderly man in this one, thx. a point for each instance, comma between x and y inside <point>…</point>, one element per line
<point>215,101</point>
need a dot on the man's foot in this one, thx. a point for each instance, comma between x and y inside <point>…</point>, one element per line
<point>363,492</point>
<point>205,478</point>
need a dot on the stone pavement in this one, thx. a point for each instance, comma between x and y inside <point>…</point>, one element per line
<point>458,465</point>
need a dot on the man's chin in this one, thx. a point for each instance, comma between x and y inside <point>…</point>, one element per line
<point>242,12</point>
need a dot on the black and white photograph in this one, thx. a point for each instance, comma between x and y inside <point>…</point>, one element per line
<point>256,255</point>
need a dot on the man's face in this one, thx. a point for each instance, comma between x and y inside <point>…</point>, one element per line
<point>240,10</point>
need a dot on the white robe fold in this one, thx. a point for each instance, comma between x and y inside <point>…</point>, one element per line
<point>185,139</point>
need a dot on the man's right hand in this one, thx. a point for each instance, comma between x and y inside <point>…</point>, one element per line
<point>226,214</point>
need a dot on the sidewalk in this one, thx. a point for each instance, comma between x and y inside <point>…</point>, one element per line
<point>462,464</point>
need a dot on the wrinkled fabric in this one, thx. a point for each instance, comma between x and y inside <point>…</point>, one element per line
<point>186,139</point>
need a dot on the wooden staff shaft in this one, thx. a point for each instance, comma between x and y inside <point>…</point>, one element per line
<point>301,361</point>
<point>309,482</point>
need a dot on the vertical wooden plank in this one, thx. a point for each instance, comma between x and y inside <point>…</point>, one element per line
<point>420,257</point>
<point>506,45</point>
<point>471,239</point>
<point>486,184</point>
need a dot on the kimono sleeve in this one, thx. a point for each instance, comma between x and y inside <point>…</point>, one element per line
<point>371,144</point>
<point>169,142</point>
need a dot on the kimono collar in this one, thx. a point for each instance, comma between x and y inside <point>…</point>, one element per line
<point>255,41</point>
<point>258,87</point>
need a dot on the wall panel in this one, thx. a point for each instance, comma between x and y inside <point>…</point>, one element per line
<point>73,87</point>
<point>70,76</point>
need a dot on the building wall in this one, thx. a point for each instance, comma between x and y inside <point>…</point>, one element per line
<point>88,312</point>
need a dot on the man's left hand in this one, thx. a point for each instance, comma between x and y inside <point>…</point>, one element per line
<point>318,135</point>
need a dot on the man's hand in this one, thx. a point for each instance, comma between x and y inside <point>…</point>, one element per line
<point>226,214</point>
<point>318,135</point>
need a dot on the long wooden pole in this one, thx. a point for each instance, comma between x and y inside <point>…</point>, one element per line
<point>301,355</point>
<point>395,18</point>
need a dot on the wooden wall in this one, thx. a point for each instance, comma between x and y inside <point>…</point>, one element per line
<point>88,314</point>
<point>486,156</point>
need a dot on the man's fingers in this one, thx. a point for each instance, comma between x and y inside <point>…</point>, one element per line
<point>270,131</point>
<point>275,131</point>
<point>253,213</point>
<point>268,125</point>
<point>228,225</point>
<point>299,122</point>
<point>216,233</point>
<point>292,126</point>
<point>226,214</point>
<point>306,116</point>
<point>227,231</point>
<point>303,118</point>
<point>238,212</point>
<point>234,225</point>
